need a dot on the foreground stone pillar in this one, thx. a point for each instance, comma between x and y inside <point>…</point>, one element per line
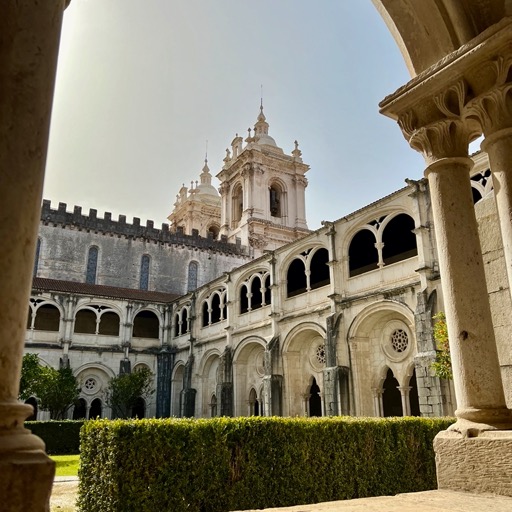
<point>439,112</point>
<point>29,40</point>
<point>470,329</point>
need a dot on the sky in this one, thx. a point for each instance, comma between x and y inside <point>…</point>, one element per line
<point>143,84</point>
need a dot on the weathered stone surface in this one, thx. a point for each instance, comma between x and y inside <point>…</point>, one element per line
<point>477,464</point>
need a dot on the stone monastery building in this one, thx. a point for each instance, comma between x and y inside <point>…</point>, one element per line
<point>238,309</point>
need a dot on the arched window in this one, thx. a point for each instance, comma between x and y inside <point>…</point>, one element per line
<point>296,278</point>
<point>414,401</point>
<point>206,314</point>
<point>36,259</point>
<point>391,398</point>
<point>216,308</point>
<point>319,269</point>
<point>244,300</point>
<point>109,324</point>
<point>185,321</point>
<point>268,295</point>
<point>92,265</point>
<point>399,239</point>
<point>146,325</point>
<point>362,253</point>
<point>177,325</point>
<point>275,200</point>
<point>47,318</point>
<point>85,322</point>
<point>213,232</point>
<point>96,409</point>
<point>193,267</point>
<point>254,406</point>
<point>144,272</point>
<point>256,294</point>
<point>315,402</point>
<point>213,406</point>
<point>80,410</point>
<point>237,203</point>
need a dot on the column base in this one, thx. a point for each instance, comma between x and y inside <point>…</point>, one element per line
<point>472,422</point>
<point>480,464</point>
<point>26,480</point>
<point>26,472</point>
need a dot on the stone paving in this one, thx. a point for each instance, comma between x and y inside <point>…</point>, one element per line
<point>65,489</point>
<point>429,501</point>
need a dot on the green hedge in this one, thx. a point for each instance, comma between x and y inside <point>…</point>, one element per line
<point>60,437</point>
<point>239,463</point>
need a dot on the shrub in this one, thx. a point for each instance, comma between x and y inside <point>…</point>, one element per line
<point>60,437</point>
<point>238,463</point>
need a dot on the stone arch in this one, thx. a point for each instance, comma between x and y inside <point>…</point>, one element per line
<point>80,409</point>
<point>212,231</point>
<point>301,364</point>
<point>46,317</point>
<point>248,372</point>
<point>96,409</point>
<point>254,290</point>
<point>177,387</point>
<point>93,379</point>
<point>381,336</point>
<point>209,372</point>
<point>426,32</point>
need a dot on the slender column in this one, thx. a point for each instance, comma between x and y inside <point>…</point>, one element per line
<point>29,41</point>
<point>404,395</point>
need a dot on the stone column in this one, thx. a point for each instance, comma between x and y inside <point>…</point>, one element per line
<point>404,395</point>
<point>29,41</point>
<point>477,377</point>
<point>493,111</point>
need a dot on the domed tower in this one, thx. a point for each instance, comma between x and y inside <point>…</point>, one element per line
<point>262,191</point>
<point>197,208</point>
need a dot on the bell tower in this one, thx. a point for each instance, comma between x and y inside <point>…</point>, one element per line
<point>262,191</point>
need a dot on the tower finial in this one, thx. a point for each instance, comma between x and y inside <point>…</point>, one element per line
<point>206,153</point>
<point>261,97</point>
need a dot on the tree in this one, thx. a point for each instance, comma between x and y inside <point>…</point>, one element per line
<point>442,366</point>
<point>56,390</point>
<point>126,389</point>
<point>30,375</point>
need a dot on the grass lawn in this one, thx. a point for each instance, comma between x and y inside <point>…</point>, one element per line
<point>67,465</point>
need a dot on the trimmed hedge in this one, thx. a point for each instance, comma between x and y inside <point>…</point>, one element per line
<point>60,437</point>
<point>239,463</point>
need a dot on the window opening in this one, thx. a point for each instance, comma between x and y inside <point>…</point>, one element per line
<point>362,253</point>
<point>319,269</point>
<point>315,402</point>
<point>146,325</point>
<point>193,268</point>
<point>47,318</point>
<point>92,264</point>
<point>144,273</point>
<point>95,410</point>
<point>399,239</point>
<point>296,278</point>
<point>391,398</point>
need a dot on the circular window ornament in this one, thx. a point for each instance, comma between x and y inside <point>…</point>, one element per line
<point>320,354</point>
<point>396,340</point>
<point>90,385</point>
<point>399,340</point>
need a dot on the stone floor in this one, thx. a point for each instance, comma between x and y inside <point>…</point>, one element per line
<point>65,489</point>
<point>429,501</point>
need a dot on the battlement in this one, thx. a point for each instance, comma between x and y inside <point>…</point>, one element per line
<point>76,219</point>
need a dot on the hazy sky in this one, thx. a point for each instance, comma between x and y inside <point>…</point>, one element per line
<point>142,84</point>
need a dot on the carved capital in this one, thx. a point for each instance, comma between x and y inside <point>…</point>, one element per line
<point>493,109</point>
<point>447,138</point>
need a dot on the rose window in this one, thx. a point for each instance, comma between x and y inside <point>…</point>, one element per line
<point>90,384</point>
<point>320,354</point>
<point>399,340</point>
